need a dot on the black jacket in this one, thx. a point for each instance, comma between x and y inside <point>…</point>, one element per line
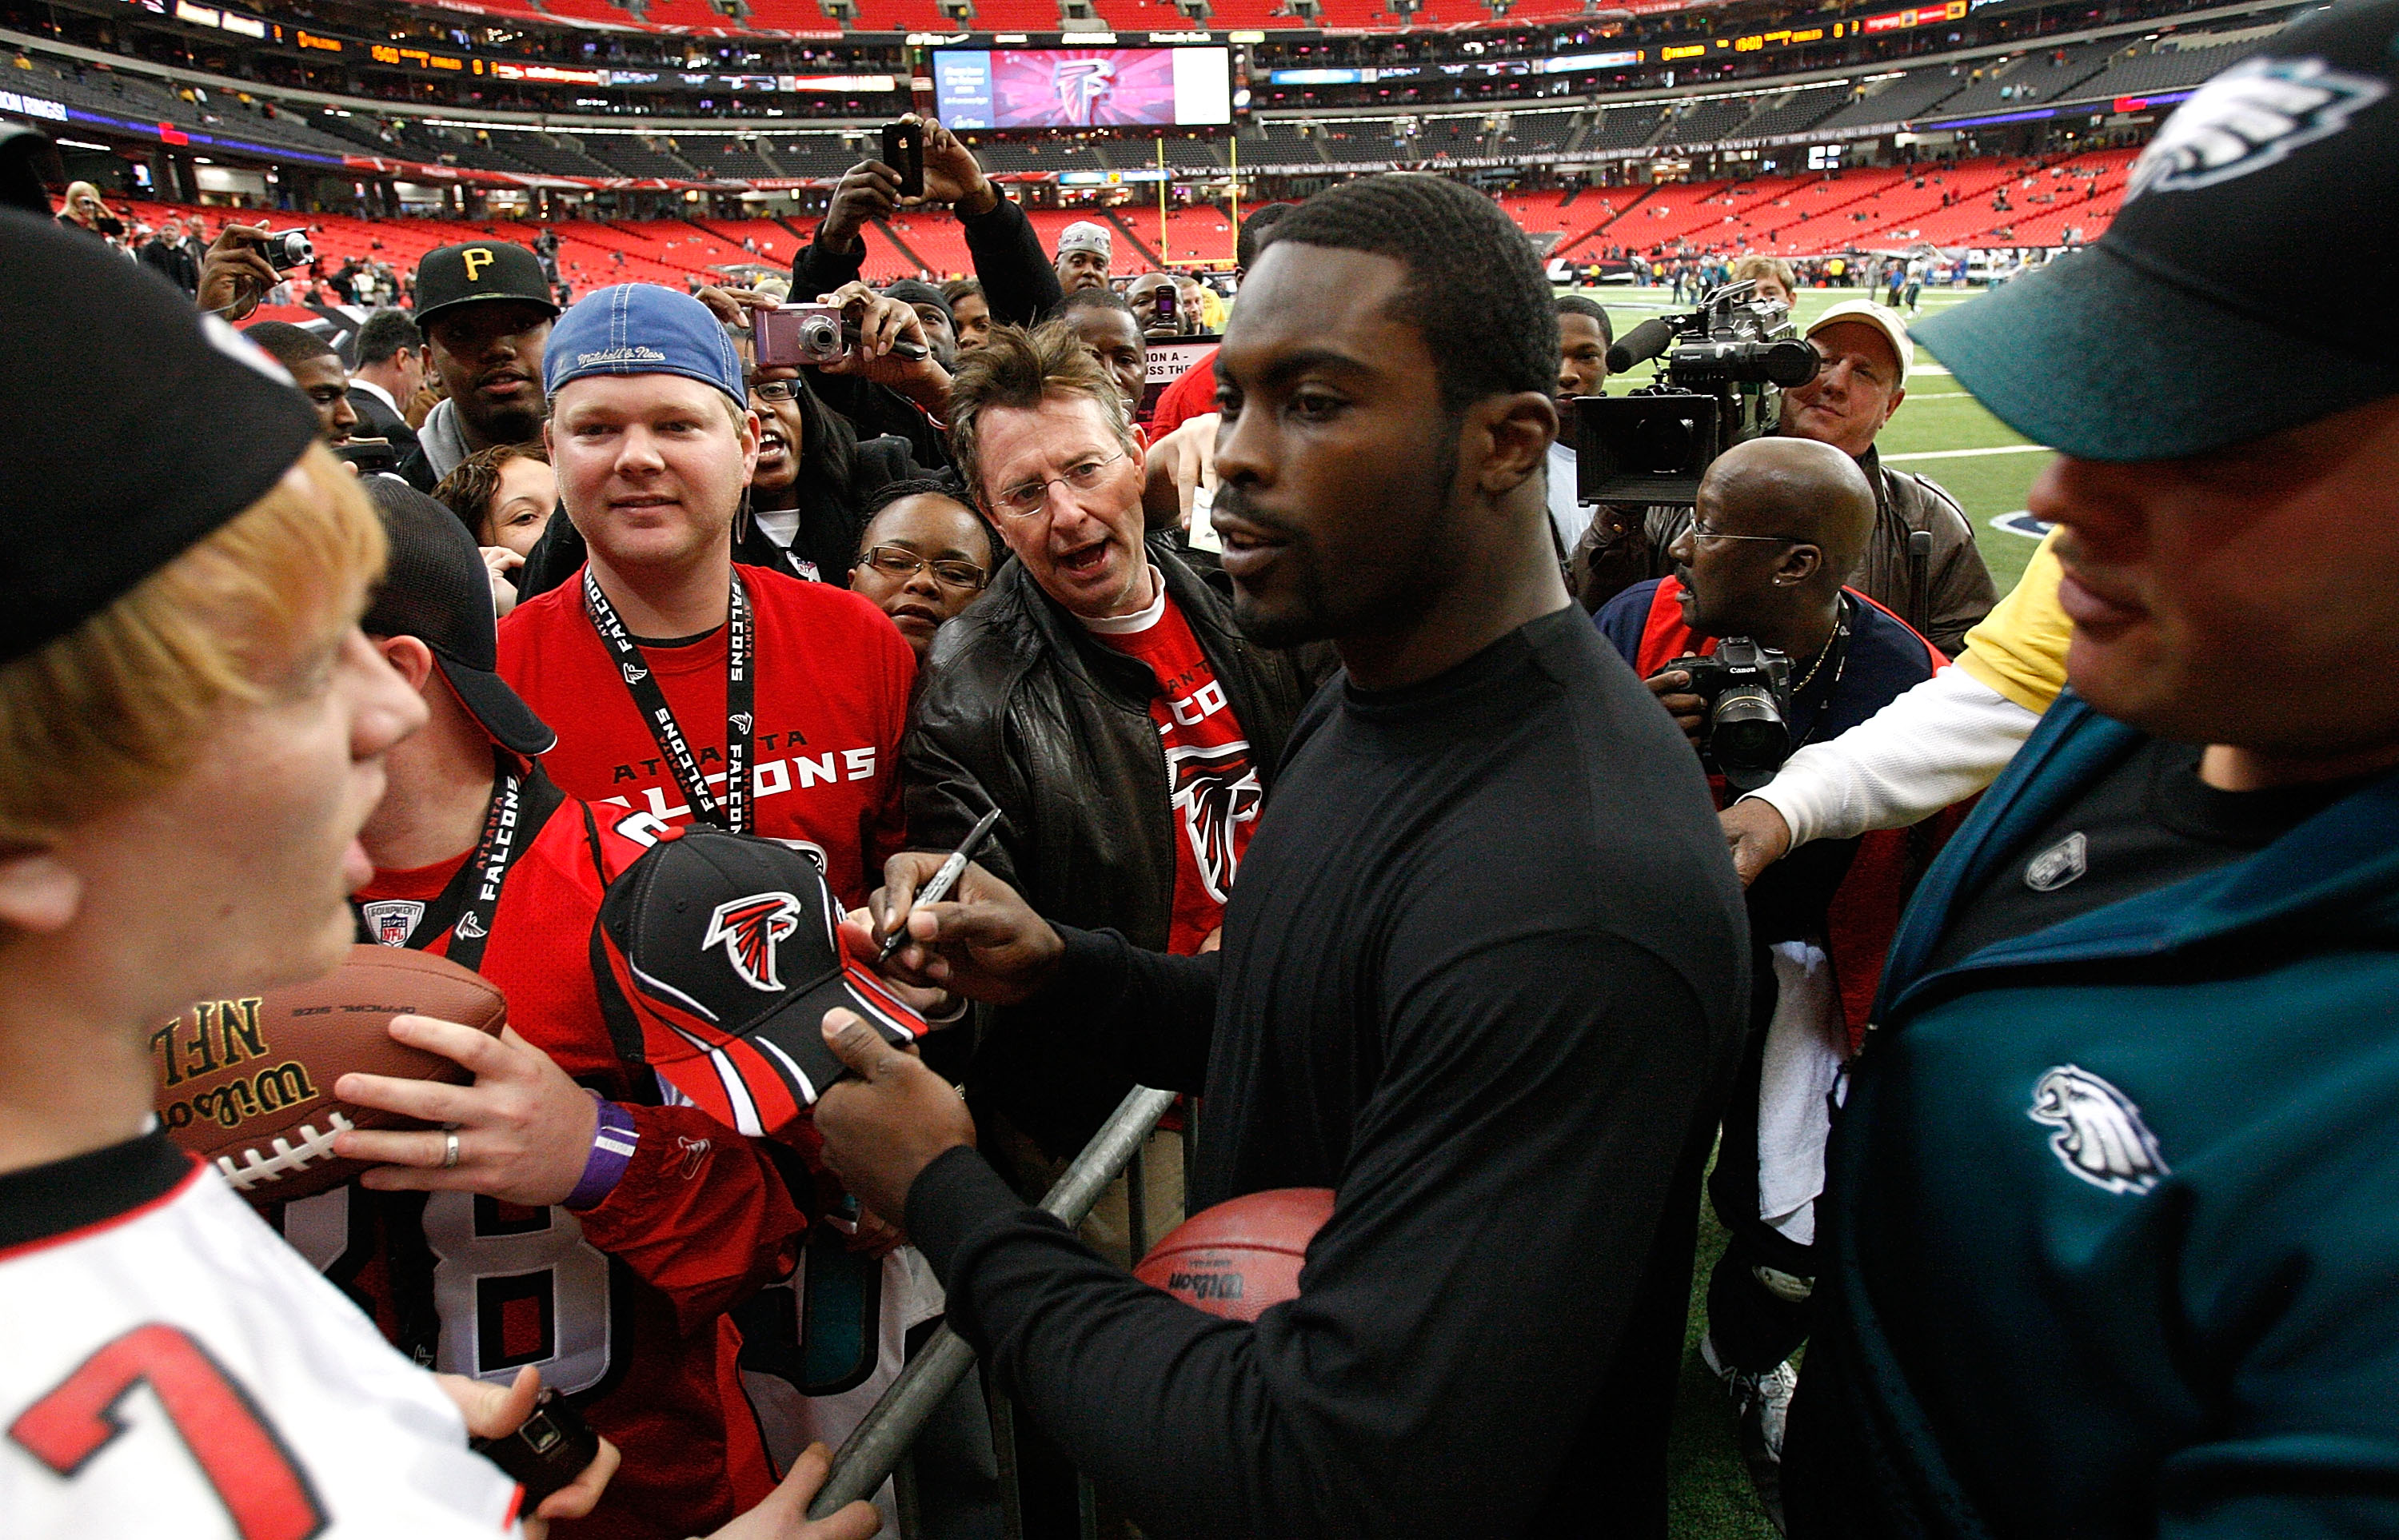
<point>173,263</point>
<point>379,421</point>
<point>1018,278</point>
<point>1022,710</point>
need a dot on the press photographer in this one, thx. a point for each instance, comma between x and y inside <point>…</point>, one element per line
<point>1758,571</point>
<point>1921,563</point>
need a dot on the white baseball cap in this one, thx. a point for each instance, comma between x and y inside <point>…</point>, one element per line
<point>1883,318</point>
<point>1083,235</point>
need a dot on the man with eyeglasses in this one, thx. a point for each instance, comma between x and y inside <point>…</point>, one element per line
<point>1099,695</point>
<point>1779,523</point>
<point>925,555</point>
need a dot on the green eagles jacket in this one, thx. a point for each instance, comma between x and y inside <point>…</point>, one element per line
<point>2111,1238</point>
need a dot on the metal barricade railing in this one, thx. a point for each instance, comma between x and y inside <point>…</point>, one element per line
<point>875,1449</point>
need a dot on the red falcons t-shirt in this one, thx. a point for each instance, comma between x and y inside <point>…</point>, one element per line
<point>621,1304</point>
<point>831,697</point>
<point>1211,779</point>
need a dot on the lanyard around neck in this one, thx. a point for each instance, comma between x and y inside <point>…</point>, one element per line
<point>732,810</point>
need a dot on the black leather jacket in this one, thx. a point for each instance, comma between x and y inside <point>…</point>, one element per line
<point>1021,709</point>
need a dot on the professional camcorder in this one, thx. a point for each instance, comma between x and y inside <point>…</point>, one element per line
<point>1725,364</point>
<point>1748,691</point>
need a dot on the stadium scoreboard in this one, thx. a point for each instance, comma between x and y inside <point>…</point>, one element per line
<point>1083,87</point>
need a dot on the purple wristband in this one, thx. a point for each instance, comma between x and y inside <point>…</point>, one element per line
<point>613,1142</point>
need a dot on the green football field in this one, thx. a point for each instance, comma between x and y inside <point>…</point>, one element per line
<point>1939,432</point>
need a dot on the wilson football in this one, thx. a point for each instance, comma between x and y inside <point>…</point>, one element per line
<point>1242,1255</point>
<point>248,1085</point>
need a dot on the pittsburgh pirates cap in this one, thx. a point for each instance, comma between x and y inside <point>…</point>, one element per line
<point>448,276</point>
<point>643,329</point>
<point>436,589</point>
<point>132,428</point>
<point>2203,316</point>
<point>716,956</point>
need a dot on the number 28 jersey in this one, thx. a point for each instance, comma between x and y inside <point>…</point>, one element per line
<point>167,1366</point>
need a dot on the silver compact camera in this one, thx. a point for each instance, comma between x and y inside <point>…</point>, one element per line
<point>289,248</point>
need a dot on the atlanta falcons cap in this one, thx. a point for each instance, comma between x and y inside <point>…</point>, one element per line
<point>436,589</point>
<point>2244,286</point>
<point>717,955</point>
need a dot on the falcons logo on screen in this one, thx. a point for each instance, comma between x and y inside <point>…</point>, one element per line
<point>1083,85</point>
<point>1216,790</point>
<point>749,928</point>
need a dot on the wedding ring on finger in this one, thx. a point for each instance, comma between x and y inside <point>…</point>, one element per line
<point>449,1151</point>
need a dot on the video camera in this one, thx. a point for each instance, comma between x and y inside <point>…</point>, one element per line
<point>1726,364</point>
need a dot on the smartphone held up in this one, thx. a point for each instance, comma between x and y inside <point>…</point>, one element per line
<point>904,151</point>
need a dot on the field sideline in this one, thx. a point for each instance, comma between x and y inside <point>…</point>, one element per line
<point>1711,1497</point>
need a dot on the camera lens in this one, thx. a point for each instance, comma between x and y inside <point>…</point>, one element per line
<point>1663,445</point>
<point>1746,735</point>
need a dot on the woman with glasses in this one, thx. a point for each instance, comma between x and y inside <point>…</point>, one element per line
<point>924,557</point>
<point>814,477</point>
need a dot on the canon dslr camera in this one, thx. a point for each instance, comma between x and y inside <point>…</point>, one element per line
<point>1748,691</point>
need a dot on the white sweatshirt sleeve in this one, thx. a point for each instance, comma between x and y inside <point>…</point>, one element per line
<point>1941,742</point>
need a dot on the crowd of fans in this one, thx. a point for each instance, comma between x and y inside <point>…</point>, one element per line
<point>1353,775</point>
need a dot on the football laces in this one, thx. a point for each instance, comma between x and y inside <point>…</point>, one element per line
<point>289,1156</point>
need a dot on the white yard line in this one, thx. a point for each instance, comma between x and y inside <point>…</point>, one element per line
<point>1966,453</point>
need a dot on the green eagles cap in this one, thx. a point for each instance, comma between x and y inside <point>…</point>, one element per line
<point>2243,289</point>
<point>449,277</point>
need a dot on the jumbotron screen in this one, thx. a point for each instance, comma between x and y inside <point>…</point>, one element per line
<point>1082,87</point>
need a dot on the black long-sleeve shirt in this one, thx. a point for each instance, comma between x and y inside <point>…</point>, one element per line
<point>1482,975</point>
<point>1019,281</point>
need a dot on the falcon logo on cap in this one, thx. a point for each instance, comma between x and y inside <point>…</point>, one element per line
<point>2250,117</point>
<point>749,927</point>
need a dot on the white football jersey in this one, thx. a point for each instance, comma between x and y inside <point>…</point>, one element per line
<point>172,1368</point>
